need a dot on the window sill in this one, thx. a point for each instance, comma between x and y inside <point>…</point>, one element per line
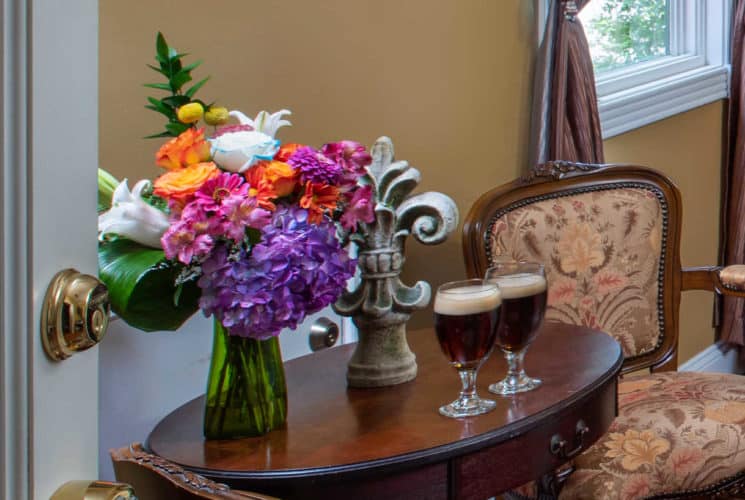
<point>644,104</point>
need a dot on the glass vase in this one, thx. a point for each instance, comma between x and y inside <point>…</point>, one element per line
<point>246,391</point>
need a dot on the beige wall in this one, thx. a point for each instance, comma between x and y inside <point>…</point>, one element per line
<point>687,148</point>
<point>448,81</point>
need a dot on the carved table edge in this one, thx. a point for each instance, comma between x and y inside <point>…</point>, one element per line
<point>191,481</point>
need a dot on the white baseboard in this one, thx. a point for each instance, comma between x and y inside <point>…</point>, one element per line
<point>715,358</point>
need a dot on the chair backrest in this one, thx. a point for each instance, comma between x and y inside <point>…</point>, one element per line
<point>609,236</point>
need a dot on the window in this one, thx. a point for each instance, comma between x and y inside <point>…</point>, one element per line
<point>655,58</point>
<point>624,33</point>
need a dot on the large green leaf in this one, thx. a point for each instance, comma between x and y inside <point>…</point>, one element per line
<point>141,286</point>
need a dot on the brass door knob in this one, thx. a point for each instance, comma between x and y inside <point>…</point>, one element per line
<point>75,314</point>
<point>93,490</point>
<point>323,333</point>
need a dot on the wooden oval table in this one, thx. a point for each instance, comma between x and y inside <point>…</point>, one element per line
<point>392,443</point>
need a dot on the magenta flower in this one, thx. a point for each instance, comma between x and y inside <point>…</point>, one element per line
<point>360,209</point>
<point>314,166</point>
<point>212,193</point>
<point>351,155</point>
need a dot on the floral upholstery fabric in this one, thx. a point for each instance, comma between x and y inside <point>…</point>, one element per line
<point>675,431</point>
<point>602,252</point>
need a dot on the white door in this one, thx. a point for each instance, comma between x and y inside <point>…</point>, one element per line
<point>59,418</point>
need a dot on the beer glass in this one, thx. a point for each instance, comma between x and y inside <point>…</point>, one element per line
<point>466,318</point>
<point>523,289</point>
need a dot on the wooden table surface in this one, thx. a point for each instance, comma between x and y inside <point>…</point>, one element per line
<point>392,443</point>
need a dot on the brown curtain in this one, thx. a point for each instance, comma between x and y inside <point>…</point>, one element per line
<point>565,123</point>
<point>733,181</point>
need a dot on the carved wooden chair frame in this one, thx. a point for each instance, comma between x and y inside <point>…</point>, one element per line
<point>557,179</point>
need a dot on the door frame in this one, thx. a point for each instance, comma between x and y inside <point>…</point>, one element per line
<point>48,410</point>
<point>15,304</point>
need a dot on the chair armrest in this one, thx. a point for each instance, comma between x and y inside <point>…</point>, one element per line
<point>733,278</point>
<point>153,477</point>
<point>729,280</point>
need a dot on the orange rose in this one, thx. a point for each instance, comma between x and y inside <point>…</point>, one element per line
<point>282,177</point>
<point>178,184</point>
<point>187,149</point>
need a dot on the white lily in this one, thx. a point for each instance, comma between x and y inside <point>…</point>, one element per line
<point>264,122</point>
<point>130,216</point>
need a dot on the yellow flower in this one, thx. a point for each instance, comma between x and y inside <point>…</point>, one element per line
<point>178,184</point>
<point>580,248</point>
<point>216,116</point>
<point>190,113</point>
<point>636,448</point>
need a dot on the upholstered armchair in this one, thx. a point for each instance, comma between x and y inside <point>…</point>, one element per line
<point>609,237</point>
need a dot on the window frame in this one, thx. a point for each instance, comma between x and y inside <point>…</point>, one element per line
<point>695,73</point>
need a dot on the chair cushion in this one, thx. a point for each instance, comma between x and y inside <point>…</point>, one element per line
<point>675,432</point>
<point>602,251</point>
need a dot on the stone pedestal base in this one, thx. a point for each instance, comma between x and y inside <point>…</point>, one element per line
<point>382,356</point>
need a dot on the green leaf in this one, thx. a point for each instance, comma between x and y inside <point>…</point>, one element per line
<point>161,47</point>
<point>159,70</point>
<point>197,86</point>
<point>168,114</point>
<point>142,288</point>
<point>191,66</point>
<point>158,136</point>
<point>161,107</point>
<point>179,79</point>
<point>177,128</point>
<point>176,100</point>
<point>159,86</point>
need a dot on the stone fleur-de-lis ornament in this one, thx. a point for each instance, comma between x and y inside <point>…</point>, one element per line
<point>380,305</point>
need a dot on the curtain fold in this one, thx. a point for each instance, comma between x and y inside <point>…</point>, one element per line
<point>732,329</point>
<point>565,124</point>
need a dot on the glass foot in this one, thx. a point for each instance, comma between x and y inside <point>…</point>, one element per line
<point>467,408</point>
<point>513,386</point>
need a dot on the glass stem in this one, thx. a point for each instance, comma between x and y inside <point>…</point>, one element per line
<point>515,369</point>
<point>468,379</point>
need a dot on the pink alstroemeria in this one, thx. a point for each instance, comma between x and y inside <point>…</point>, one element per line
<point>239,213</point>
<point>182,241</point>
<point>360,209</point>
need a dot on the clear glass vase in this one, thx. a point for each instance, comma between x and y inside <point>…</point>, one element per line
<point>246,391</point>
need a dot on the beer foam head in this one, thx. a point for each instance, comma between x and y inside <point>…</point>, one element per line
<point>471,299</point>
<point>517,286</point>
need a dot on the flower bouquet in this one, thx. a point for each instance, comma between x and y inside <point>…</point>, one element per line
<point>250,230</point>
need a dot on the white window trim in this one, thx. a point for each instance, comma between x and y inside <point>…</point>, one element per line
<point>696,73</point>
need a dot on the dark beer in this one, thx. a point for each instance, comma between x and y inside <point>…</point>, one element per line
<point>466,319</point>
<point>523,307</point>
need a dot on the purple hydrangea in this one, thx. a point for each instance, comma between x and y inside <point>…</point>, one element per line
<point>296,269</point>
<point>314,166</point>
